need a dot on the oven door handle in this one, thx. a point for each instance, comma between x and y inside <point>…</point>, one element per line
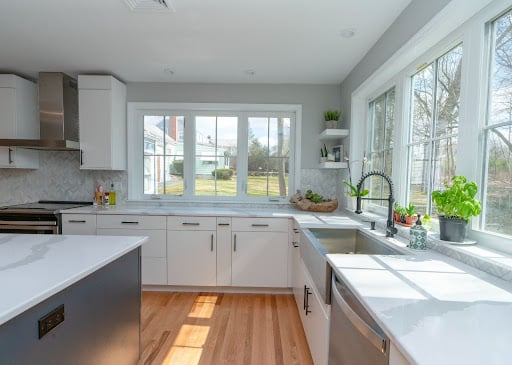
<point>28,223</point>
<point>364,329</point>
<point>18,227</point>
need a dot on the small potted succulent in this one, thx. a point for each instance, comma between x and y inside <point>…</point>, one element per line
<point>331,118</point>
<point>455,205</point>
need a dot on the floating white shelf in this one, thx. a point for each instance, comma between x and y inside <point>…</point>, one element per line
<point>333,134</point>
<point>333,165</point>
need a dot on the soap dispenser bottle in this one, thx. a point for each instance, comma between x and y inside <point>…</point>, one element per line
<point>418,236</point>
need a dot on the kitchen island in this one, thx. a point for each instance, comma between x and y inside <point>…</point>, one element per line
<point>69,299</point>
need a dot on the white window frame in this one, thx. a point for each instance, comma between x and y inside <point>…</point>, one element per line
<point>460,21</point>
<point>136,111</point>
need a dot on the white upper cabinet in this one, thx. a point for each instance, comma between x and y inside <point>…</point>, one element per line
<point>18,120</point>
<point>102,116</point>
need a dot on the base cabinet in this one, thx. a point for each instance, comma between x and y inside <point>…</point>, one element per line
<point>260,259</point>
<point>191,258</point>
<point>313,314</point>
<point>84,224</point>
<point>154,252</point>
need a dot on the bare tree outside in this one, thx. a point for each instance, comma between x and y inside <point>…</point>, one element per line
<point>434,126</point>
<point>498,196</point>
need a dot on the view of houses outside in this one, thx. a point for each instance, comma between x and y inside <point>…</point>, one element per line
<point>215,151</point>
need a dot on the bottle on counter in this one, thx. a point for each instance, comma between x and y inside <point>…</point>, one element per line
<point>99,194</point>
<point>418,236</point>
<point>112,195</point>
<point>106,198</point>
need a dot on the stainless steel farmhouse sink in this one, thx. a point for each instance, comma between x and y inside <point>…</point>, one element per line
<point>318,242</point>
<point>350,241</point>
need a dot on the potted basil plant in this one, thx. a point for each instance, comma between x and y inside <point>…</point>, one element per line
<point>455,205</point>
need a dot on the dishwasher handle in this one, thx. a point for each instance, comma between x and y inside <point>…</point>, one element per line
<point>364,329</point>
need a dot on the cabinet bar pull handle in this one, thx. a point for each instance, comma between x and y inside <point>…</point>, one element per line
<point>190,224</point>
<point>75,221</point>
<point>295,230</point>
<point>295,244</point>
<point>259,225</point>
<point>81,157</point>
<point>211,243</point>
<point>223,224</point>
<point>10,156</point>
<point>304,298</point>
<point>234,243</point>
<point>129,222</point>
<point>308,293</point>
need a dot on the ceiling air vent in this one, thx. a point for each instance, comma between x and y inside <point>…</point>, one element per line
<point>151,5</point>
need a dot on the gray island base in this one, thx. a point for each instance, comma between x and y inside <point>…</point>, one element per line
<point>101,321</point>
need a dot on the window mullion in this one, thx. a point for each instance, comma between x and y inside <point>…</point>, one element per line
<point>189,155</point>
<point>242,155</point>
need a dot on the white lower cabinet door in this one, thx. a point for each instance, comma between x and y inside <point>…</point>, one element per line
<point>191,258</point>
<point>154,252</point>
<point>314,319</point>
<point>259,259</point>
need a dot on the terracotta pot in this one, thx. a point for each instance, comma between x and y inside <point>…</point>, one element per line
<point>410,219</point>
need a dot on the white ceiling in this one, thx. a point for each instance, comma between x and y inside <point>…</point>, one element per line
<point>215,41</point>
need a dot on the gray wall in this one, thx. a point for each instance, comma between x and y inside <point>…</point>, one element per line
<point>315,99</point>
<point>408,23</point>
<point>59,176</point>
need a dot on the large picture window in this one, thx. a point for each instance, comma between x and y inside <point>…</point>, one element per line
<point>497,213</point>
<point>434,122</point>
<point>232,154</point>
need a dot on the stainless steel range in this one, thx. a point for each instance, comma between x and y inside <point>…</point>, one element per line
<point>42,217</point>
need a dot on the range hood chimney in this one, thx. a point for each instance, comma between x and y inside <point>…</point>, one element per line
<point>58,115</point>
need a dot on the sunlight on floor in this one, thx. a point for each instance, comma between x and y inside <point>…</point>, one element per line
<point>188,346</point>
<point>203,306</point>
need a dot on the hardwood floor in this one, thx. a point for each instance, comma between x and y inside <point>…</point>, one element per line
<point>210,329</point>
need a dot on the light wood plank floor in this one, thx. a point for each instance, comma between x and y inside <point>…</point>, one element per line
<point>211,329</point>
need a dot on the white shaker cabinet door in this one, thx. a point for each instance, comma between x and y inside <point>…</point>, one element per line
<point>260,259</point>
<point>191,258</point>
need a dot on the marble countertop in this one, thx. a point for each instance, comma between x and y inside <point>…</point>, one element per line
<point>305,219</point>
<point>434,309</point>
<point>35,267</point>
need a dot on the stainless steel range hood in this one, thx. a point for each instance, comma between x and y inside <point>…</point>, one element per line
<point>58,115</point>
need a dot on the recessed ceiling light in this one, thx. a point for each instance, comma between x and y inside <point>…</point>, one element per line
<point>348,32</point>
<point>169,71</point>
<point>250,72</point>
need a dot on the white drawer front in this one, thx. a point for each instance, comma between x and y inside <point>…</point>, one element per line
<point>191,223</point>
<point>79,224</point>
<point>156,245</point>
<point>154,271</point>
<point>260,224</point>
<point>130,221</point>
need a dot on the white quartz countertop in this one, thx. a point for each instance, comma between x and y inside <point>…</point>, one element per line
<point>35,267</point>
<point>305,219</point>
<point>434,309</point>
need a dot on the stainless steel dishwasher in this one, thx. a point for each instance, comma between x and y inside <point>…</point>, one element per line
<point>355,337</point>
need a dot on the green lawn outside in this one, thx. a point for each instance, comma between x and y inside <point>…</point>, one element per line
<point>256,186</point>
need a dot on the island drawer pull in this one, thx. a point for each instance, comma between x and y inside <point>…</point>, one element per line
<point>191,223</point>
<point>76,221</point>
<point>234,243</point>
<point>223,224</point>
<point>295,244</point>
<point>211,244</point>
<point>259,225</point>
<point>129,222</point>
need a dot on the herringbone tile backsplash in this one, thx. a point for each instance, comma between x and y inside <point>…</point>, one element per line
<point>58,178</point>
